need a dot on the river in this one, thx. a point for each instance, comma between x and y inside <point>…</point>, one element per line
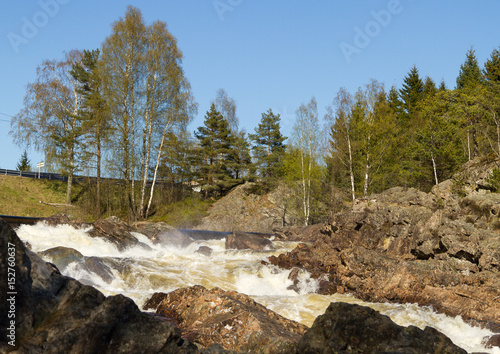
<point>138,273</point>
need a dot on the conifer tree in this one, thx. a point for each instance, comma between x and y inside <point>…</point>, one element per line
<point>24,163</point>
<point>492,67</point>
<point>216,142</point>
<point>94,114</point>
<point>411,93</point>
<point>470,74</point>
<point>269,147</point>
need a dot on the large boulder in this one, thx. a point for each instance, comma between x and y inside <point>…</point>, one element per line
<point>152,229</point>
<point>115,231</point>
<point>243,241</point>
<point>346,328</point>
<point>228,318</point>
<point>249,209</point>
<point>51,313</point>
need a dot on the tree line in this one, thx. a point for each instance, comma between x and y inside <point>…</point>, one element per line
<point>123,111</point>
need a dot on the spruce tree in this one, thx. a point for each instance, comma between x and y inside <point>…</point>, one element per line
<point>24,163</point>
<point>470,74</point>
<point>269,147</point>
<point>411,93</point>
<point>492,67</point>
<point>216,142</point>
<point>429,87</point>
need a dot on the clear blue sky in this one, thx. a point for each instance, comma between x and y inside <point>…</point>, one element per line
<point>265,54</point>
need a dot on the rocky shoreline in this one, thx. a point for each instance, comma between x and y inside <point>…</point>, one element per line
<point>58,314</point>
<point>439,249</point>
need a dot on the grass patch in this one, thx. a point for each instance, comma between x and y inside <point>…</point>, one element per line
<point>185,214</point>
<point>21,196</point>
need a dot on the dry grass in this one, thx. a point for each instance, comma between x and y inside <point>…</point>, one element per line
<point>21,196</point>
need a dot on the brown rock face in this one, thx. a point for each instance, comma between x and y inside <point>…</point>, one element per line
<point>248,210</point>
<point>440,249</point>
<point>228,318</point>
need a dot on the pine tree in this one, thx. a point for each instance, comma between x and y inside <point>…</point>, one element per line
<point>470,74</point>
<point>269,147</point>
<point>24,164</point>
<point>94,114</point>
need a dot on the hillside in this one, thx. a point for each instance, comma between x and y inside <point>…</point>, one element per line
<point>21,196</point>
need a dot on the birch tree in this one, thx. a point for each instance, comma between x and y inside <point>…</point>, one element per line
<point>122,68</point>
<point>148,97</point>
<point>49,118</point>
<point>306,137</point>
<point>338,117</point>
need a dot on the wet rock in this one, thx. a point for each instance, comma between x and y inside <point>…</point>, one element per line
<point>15,267</point>
<point>58,219</point>
<point>204,250</point>
<point>440,249</point>
<point>62,256</point>
<point>116,231</point>
<point>357,329</point>
<point>152,229</point>
<point>98,267</point>
<point>58,314</point>
<point>228,318</point>
<point>493,341</point>
<point>174,238</point>
<point>242,241</point>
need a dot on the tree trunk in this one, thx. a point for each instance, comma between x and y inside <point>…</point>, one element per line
<point>434,161</point>
<point>351,169</point>
<point>98,178</point>
<point>156,169</point>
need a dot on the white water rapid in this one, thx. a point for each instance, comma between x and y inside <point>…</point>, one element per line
<point>138,273</point>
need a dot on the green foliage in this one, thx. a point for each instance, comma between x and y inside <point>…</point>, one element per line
<point>411,94</point>
<point>470,74</point>
<point>494,180</point>
<point>24,163</point>
<point>185,213</point>
<point>269,148</point>
<point>222,160</point>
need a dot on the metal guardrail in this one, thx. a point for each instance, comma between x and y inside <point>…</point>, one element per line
<point>41,175</point>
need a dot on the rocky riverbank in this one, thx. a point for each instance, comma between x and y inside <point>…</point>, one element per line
<point>440,249</point>
<point>58,314</point>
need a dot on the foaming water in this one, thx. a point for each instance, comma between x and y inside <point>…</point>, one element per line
<point>140,271</point>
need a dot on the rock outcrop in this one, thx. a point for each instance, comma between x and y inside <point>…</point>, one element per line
<point>116,231</point>
<point>246,210</point>
<point>440,248</point>
<point>228,318</point>
<point>346,328</point>
<point>247,241</point>
<point>51,313</point>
